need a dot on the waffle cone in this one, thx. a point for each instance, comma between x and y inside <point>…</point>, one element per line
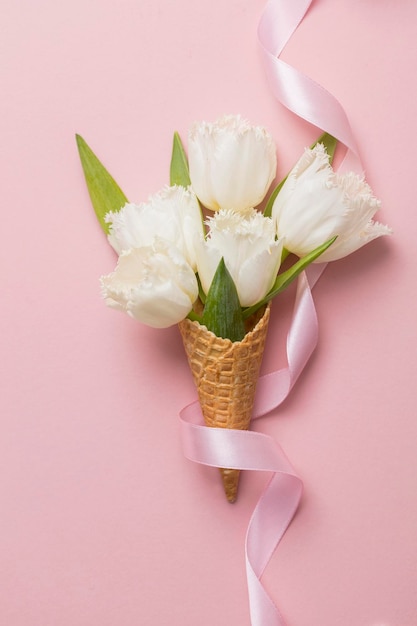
<point>225,374</point>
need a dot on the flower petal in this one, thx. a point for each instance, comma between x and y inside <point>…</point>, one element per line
<point>154,284</point>
<point>173,213</point>
<point>315,204</point>
<point>232,163</point>
<point>250,251</point>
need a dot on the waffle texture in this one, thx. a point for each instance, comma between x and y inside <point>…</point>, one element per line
<point>225,374</point>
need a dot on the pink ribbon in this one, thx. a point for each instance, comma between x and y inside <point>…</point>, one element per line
<point>299,93</point>
<point>249,450</point>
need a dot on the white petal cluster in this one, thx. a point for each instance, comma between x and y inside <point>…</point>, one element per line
<point>153,284</point>
<point>163,242</point>
<point>173,214</point>
<point>251,252</point>
<point>154,280</point>
<point>232,164</point>
<point>316,204</point>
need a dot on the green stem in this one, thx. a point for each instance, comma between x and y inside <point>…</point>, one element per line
<point>192,315</point>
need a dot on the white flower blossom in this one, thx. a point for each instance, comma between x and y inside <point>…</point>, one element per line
<point>232,164</point>
<point>153,284</point>
<point>250,250</point>
<point>315,204</point>
<point>173,214</point>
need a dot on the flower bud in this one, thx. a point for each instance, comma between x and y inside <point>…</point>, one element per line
<point>315,204</point>
<point>153,284</point>
<point>250,250</point>
<point>173,214</point>
<point>232,164</point>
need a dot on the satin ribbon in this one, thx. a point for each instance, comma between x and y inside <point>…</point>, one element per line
<point>296,91</point>
<point>249,450</point>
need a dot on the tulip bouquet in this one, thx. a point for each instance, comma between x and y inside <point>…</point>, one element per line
<point>202,254</point>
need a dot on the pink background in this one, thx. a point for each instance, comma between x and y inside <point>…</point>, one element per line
<point>103,521</point>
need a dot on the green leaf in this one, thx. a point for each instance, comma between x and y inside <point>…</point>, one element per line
<point>179,173</point>
<point>271,200</point>
<point>285,279</point>
<point>329,143</point>
<point>105,193</point>
<point>222,312</point>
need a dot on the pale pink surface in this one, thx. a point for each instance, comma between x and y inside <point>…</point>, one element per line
<point>103,521</point>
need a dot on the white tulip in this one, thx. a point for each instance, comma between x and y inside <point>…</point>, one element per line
<point>315,204</point>
<point>153,284</point>
<point>173,214</point>
<point>232,164</point>
<point>250,250</point>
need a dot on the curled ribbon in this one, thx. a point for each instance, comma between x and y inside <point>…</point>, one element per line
<point>249,450</point>
<point>296,91</point>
